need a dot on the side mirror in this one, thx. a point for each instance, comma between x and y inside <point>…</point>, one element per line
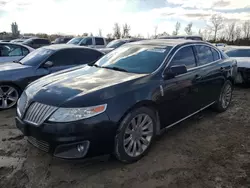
<point>175,70</point>
<point>48,64</point>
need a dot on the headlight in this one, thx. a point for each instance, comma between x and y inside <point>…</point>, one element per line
<point>74,114</point>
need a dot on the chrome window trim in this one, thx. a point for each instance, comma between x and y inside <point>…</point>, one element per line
<point>196,67</point>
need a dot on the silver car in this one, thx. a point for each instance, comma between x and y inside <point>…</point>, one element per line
<point>13,52</point>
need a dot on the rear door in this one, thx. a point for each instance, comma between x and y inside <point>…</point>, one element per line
<point>211,75</point>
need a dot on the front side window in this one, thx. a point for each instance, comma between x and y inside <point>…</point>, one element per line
<point>62,58</point>
<point>185,56</point>
<point>115,43</point>
<point>204,54</point>
<point>75,41</point>
<point>99,41</point>
<point>86,41</point>
<point>142,59</point>
<point>8,50</point>
<point>238,53</point>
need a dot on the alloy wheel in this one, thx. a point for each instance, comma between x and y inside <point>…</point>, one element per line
<point>226,96</point>
<point>138,135</point>
<point>8,96</point>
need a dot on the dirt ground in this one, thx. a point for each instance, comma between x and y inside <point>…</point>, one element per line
<point>208,150</point>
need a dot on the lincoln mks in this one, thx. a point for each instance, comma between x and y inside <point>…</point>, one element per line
<point>122,102</point>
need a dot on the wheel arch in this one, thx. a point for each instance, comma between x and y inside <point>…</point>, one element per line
<point>145,103</point>
<point>12,84</point>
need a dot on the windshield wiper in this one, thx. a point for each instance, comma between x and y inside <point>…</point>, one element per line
<point>17,62</point>
<point>116,68</point>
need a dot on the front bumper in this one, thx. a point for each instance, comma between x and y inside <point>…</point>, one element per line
<point>245,74</point>
<point>81,139</point>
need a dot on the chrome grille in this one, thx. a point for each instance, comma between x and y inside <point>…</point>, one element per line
<point>37,113</point>
<point>22,103</point>
<point>42,145</point>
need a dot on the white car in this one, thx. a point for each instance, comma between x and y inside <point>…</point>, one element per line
<point>91,42</point>
<point>13,52</point>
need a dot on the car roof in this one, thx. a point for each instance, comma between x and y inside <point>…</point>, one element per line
<point>168,42</point>
<point>18,44</point>
<point>66,46</point>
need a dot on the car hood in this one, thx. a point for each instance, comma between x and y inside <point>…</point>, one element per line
<point>57,89</point>
<point>10,66</point>
<point>243,62</point>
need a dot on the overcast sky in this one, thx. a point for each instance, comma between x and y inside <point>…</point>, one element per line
<point>80,16</point>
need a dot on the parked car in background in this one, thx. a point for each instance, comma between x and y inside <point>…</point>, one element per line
<point>36,42</point>
<point>92,42</point>
<point>125,99</point>
<point>13,52</point>
<point>18,40</point>
<point>242,55</point>
<point>117,43</point>
<point>14,77</point>
<point>188,37</point>
<point>5,40</point>
<point>61,40</point>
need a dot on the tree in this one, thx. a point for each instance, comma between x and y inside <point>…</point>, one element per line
<point>188,28</point>
<point>216,22</point>
<point>246,29</point>
<point>177,28</point>
<point>14,29</point>
<point>109,35</point>
<point>155,34</point>
<point>117,31</point>
<point>100,32</point>
<point>125,30</point>
<point>230,30</point>
<point>85,34</point>
<point>238,32</point>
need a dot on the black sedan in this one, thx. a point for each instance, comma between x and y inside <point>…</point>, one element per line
<point>125,99</point>
<point>15,76</point>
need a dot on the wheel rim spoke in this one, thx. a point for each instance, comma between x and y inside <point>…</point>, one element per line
<point>10,90</point>
<point>13,99</point>
<point>1,91</point>
<point>4,103</point>
<point>127,140</point>
<point>138,135</point>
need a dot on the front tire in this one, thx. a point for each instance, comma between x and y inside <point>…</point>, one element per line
<point>225,97</point>
<point>135,135</point>
<point>9,96</point>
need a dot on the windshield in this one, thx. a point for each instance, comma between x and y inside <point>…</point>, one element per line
<point>115,44</point>
<point>239,53</point>
<point>36,57</point>
<point>75,41</point>
<point>134,58</point>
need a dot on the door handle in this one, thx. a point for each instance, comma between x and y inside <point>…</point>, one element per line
<point>197,77</point>
<point>222,69</point>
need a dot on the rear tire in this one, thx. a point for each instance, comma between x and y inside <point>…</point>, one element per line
<point>135,135</point>
<point>225,97</point>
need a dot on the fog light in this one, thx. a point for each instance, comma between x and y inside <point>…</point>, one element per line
<point>72,151</point>
<point>80,148</point>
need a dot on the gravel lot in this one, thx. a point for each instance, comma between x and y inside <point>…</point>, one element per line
<point>208,150</point>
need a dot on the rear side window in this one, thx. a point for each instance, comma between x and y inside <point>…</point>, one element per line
<point>204,54</point>
<point>25,51</point>
<point>184,56</point>
<point>99,41</point>
<point>9,50</point>
<point>215,54</point>
<point>85,56</point>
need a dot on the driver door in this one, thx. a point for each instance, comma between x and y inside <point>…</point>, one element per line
<point>180,92</point>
